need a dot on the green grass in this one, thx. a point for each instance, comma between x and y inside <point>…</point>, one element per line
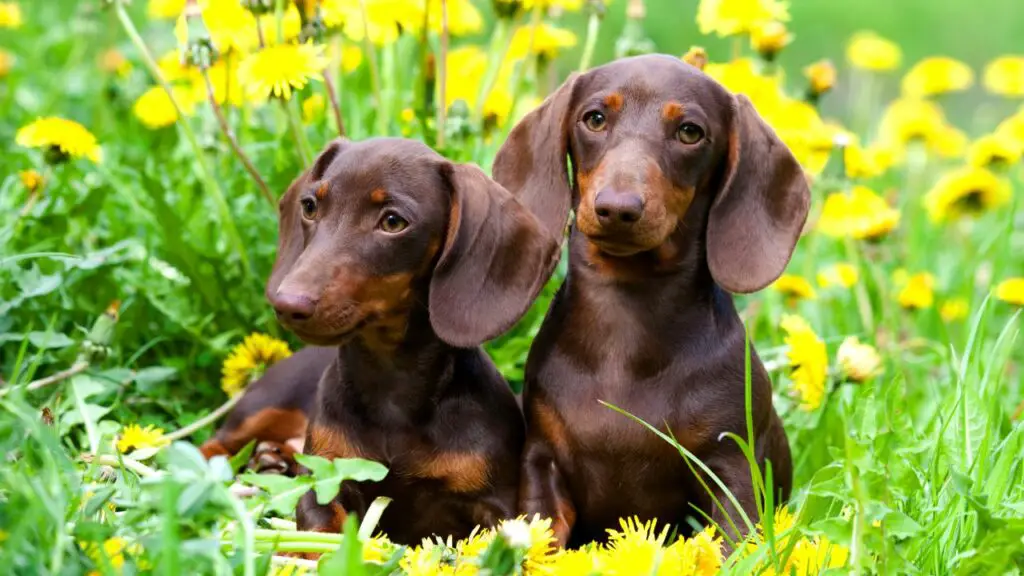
<point>919,470</point>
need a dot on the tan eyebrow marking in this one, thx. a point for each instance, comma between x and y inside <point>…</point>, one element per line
<point>672,110</point>
<point>378,196</point>
<point>321,192</point>
<point>614,101</point>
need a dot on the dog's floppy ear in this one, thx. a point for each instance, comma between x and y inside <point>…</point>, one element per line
<point>290,240</point>
<point>758,214</point>
<point>532,163</point>
<point>496,259</point>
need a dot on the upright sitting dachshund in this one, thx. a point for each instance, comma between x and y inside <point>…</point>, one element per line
<point>406,263</point>
<point>681,193</point>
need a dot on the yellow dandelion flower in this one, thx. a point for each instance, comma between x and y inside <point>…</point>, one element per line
<point>861,214</point>
<point>769,38</point>
<point>842,274</point>
<point>1013,128</point>
<point>463,18</point>
<point>277,70</point>
<point>113,62</point>
<point>313,107</point>
<point>385,19</point>
<point>471,62</point>
<point>173,70</point>
<point>997,150</point>
<point>288,570</point>
<point>580,562</point>
<point>112,552</point>
<point>937,75</point>
<point>426,560</point>
<point>968,191</point>
<point>799,126</point>
<point>565,5</point>
<point>60,138</point>
<point>908,120</point>
<point>10,15</point>
<point>794,287</point>
<point>155,109</point>
<point>696,56</point>
<point>1011,291</point>
<point>917,292</point>
<point>165,9</point>
<point>700,555</point>
<point>812,556</point>
<point>475,544</point>
<point>377,549</point>
<point>866,162</point>
<point>407,115</point>
<point>31,180</point>
<point>858,362</point>
<point>808,360</point>
<point>535,536</point>
<point>742,76</point>
<point>869,51</point>
<point>249,360</point>
<point>547,41</point>
<point>729,17</point>
<point>1005,76</point>
<point>822,77</point>
<point>634,549</point>
<point>6,63</point>
<point>224,80</point>
<point>954,309</point>
<point>135,437</point>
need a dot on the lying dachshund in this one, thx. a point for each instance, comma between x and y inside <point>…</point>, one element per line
<point>407,263</point>
<point>680,191</point>
<point>273,412</point>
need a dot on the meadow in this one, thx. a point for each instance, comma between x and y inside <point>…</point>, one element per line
<point>147,144</point>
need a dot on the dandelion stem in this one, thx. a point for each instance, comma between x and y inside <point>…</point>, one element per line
<point>205,174</point>
<point>74,370</point>
<point>529,62</point>
<point>332,96</point>
<point>126,463</point>
<point>593,26</point>
<point>205,420</point>
<point>371,55</point>
<point>442,78</point>
<point>248,540</point>
<point>232,141</point>
<point>501,41</point>
<point>301,142</point>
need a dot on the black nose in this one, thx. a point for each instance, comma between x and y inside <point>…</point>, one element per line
<point>614,208</point>
<point>294,307</point>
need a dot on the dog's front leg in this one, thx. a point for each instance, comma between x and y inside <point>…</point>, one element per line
<point>542,489</point>
<point>732,469</point>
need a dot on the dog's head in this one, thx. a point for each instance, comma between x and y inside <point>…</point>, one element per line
<point>656,145</point>
<point>376,228</point>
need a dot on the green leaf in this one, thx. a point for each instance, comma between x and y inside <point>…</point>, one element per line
<point>900,525</point>
<point>284,492</point>
<point>149,377</point>
<point>330,474</point>
<point>348,559</point>
<point>241,458</point>
<point>49,340</point>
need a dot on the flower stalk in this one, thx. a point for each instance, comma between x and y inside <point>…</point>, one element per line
<point>229,135</point>
<point>205,174</point>
<point>597,10</point>
<point>442,78</point>
<point>201,423</point>
<point>501,41</point>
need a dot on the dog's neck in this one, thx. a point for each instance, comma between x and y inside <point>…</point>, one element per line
<point>657,291</point>
<point>408,372</point>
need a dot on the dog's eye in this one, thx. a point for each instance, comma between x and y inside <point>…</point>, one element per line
<point>392,223</point>
<point>595,121</point>
<point>308,208</point>
<point>689,133</point>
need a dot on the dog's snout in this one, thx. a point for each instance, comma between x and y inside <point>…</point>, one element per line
<point>294,307</point>
<point>615,208</point>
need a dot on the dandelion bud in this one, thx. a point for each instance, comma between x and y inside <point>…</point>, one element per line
<point>769,39</point>
<point>696,57</point>
<point>31,180</point>
<point>507,9</point>
<point>858,362</point>
<point>822,78</point>
<point>259,7</point>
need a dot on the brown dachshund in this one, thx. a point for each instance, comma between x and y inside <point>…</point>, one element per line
<point>273,412</point>
<point>680,191</point>
<point>406,263</point>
